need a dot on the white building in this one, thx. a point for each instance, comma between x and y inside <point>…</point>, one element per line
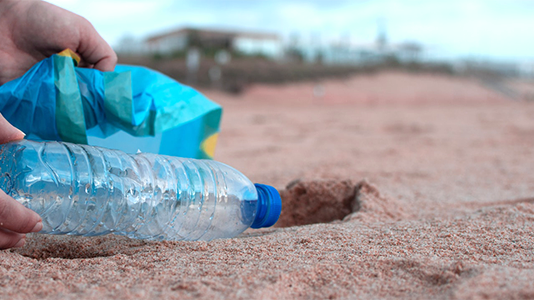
<point>248,43</point>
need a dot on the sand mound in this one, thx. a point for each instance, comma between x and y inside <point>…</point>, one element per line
<point>323,201</point>
<point>371,205</point>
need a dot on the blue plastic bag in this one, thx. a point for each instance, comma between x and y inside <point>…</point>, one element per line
<point>133,108</point>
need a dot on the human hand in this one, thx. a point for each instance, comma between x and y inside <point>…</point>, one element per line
<point>15,219</point>
<point>33,30</point>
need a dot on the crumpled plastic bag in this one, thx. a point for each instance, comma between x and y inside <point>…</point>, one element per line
<point>133,108</point>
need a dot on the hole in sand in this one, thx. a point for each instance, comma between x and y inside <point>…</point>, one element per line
<point>323,201</point>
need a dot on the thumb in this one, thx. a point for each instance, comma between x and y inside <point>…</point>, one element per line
<point>9,132</point>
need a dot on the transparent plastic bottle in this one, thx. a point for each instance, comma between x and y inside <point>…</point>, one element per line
<point>85,190</point>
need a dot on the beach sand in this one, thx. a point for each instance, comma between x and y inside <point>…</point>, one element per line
<point>409,186</point>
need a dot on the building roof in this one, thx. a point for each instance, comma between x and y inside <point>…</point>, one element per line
<point>214,34</point>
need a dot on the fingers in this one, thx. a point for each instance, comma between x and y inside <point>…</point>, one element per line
<point>8,132</point>
<point>17,218</point>
<point>9,239</point>
<point>94,50</point>
<point>84,64</point>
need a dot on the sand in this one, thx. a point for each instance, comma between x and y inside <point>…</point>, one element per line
<point>395,185</point>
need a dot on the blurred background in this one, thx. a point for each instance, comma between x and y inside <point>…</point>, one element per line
<point>230,45</point>
<point>432,101</point>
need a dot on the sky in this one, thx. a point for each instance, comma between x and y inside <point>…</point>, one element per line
<point>455,28</point>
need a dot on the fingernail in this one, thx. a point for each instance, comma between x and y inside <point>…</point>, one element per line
<point>23,134</point>
<point>20,243</point>
<point>38,227</point>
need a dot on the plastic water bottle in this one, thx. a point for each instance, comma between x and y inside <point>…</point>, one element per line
<point>85,190</point>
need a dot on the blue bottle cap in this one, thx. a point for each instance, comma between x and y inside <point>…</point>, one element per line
<point>269,206</point>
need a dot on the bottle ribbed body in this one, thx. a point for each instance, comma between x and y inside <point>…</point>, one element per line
<point>85,190</point>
